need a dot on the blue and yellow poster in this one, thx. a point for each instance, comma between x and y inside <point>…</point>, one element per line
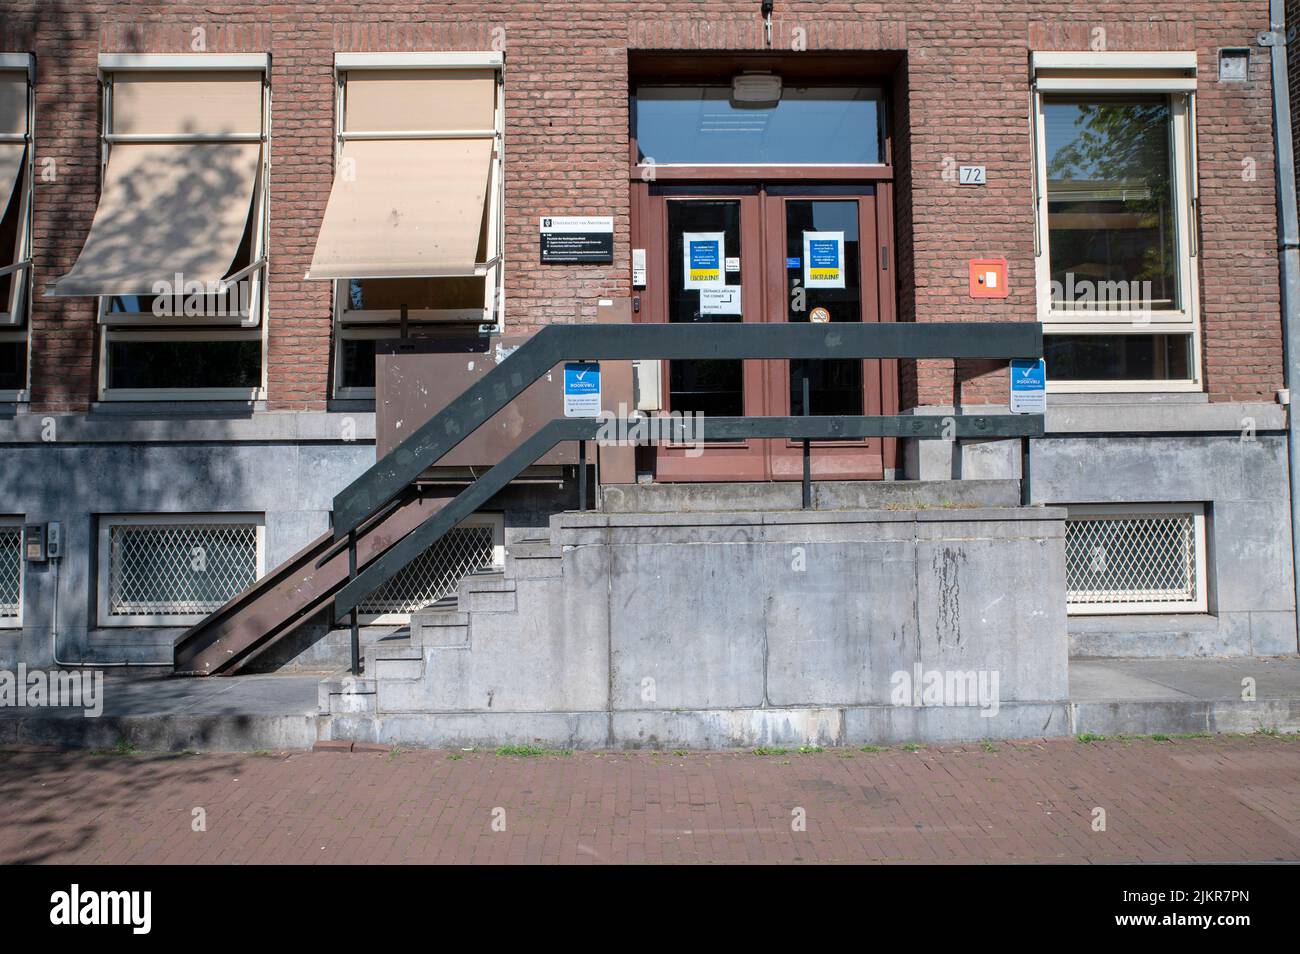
<point>823,259</point>
<point>703,254</point>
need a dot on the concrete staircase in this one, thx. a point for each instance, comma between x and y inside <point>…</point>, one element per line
<point>671,618</point>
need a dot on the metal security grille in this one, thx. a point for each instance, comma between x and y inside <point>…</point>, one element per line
<point>433,574</point>
<point>1133,561</point>
<point>11,572</point>
<point>178,569</point>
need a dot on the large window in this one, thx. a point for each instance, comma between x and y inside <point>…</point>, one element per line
<point>706,125</point>
<point>15,221</point>
<point>413,227</point>
<point>1116,220</point>
<point>176,254</point>
<point>174,569</point>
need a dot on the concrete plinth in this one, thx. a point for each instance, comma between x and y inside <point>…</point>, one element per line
<point>739,628</point>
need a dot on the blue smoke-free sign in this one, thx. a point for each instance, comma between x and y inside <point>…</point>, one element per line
<point>1028,386</point>
<point>582,389</point>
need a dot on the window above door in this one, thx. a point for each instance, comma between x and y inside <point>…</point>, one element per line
<point>699,124</point>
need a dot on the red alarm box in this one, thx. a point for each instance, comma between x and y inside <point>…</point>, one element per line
<point>988,278</point>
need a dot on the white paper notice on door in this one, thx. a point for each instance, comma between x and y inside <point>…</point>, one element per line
<point>823,259</point>
<point>702,257</point>
<point>720,301</point>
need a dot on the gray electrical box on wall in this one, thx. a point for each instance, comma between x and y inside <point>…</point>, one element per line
<point>54,540</point>
<point>34,542</point>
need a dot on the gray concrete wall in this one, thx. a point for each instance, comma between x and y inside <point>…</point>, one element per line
<point>734,628</point>
<point>291,484</point>
<point>1163,448</point>
<point>285,466</point>
<point>1243,483</point>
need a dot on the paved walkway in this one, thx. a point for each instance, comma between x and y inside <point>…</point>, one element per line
<point>1183,680</point>
<point>1218,799</point>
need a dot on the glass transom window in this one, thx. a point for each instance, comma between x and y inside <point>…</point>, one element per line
<point>702,125</point>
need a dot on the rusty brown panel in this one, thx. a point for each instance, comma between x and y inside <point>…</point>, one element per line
<point>293,592</point>
<point>418,377</point>
<point>617,464</point>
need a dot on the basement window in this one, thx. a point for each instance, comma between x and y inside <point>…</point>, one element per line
<point>11,572</point>
<point>1135,558</point>
<point>174,569</point>
<point>476,544</point>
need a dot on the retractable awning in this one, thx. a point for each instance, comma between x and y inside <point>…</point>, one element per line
<point>178,188</point>
<point>413,176</point>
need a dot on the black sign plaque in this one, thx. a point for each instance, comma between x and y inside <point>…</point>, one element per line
<point>577,239</point>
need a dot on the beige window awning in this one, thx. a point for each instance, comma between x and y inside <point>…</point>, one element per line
<point>178,189</point>
<point>13,135</point>
<point>413,176</point>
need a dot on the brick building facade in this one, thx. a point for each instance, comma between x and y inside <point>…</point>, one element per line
<point>961,95</point>
<point>957,82</point>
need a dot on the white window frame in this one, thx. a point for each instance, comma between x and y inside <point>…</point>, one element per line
<point>14,323</point>
<point>344,333</point>
<point>491,317</point>
<point>1171,74</point>
<point>1198,605</point>
<point>494,520</point>
<point>10,520</point>
<point>145,326</point>
<point>104,551</point>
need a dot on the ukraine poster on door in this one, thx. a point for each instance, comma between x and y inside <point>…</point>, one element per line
<point>823,259</point>
<point>702,258</point>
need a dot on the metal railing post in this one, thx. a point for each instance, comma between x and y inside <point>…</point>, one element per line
<point>355,622</point>
<point>807,449</point>
<point>582,476</point>
<point>1025,500</point>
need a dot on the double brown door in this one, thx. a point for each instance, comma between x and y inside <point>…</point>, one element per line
<point>751,253</point>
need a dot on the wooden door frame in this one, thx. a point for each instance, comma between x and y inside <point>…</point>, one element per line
<point>785,457</point>
<point>649,231</point>
<point>739,460</point>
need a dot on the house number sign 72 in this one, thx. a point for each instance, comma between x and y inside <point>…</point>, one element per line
<point>971,175</point>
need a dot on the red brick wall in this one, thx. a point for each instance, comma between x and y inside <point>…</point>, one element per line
<point>963,93</point>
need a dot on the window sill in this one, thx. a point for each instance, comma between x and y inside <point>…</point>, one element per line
<point>232,408</point>
<point>1123,387</point>
<point>1192,622</point>
<point>1067,398</point>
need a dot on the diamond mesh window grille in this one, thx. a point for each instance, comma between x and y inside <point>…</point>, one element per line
<point>178,569</point>
<point>11,571</point>
<point>435,573</point>
<point>1133,560</point>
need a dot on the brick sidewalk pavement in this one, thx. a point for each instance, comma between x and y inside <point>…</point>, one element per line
<point>1220,799</point>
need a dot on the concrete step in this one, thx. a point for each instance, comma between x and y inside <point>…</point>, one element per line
<point>487,592</point>
<point>394,658</point>
<point>827,495</point>
<point>345,694</point>
<point>533,559</point>
<point>441,626</point>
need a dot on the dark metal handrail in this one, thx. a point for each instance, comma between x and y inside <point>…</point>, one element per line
<point>553,344</point>
<point>928,427</point>
<point>394,472</point>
